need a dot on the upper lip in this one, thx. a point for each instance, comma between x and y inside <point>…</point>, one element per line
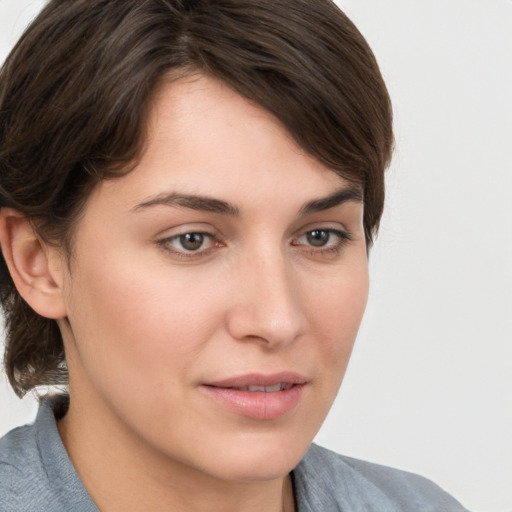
<point>259,379</point>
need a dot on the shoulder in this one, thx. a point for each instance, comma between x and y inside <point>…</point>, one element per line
<point>36,474</point>
<point>21,471</point>
<point>338,483</point>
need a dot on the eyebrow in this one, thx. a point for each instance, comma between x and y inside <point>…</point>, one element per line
<point>340,196</point>
<point>209,204</point>
<point>194,202</point>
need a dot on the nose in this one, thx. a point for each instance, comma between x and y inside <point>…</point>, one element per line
<point>267,305</point>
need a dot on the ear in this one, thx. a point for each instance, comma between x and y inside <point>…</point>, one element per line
<point>35,268</point>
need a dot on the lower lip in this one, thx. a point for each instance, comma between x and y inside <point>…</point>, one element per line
<point>257,405</point>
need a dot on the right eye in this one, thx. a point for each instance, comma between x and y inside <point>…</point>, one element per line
<point>188,244</point>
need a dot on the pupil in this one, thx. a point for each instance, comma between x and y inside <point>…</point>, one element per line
<point>191,241</point>
<point>318,238</point>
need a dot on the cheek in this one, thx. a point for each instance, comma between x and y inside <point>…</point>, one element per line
<point>335,314</point>
<point>140,320</point>
<point>337,309</point>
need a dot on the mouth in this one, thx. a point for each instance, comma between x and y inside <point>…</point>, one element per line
<point>261,382</point>
<point>282,386</point>
<point>258,397</point>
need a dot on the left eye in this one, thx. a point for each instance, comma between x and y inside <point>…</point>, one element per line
<point>318,237</point>
<point>190,242</point>
<point>321,238</point>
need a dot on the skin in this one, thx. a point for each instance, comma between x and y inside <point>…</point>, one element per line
<point>146,323</point>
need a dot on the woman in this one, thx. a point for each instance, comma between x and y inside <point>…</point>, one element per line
<point>189,191</point>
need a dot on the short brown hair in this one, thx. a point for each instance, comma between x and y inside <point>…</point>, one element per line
<point>74,95</point>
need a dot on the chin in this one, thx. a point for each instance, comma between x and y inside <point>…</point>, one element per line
<point>258,460</point>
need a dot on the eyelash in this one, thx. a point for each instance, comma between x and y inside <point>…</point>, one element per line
<point>166,245</point>
<point>332,249</point>
<point>342,238</point>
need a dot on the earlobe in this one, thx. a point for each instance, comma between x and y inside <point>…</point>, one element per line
<point>32,265</point>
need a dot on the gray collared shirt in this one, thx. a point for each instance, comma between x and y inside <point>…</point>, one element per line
<point>36,475</point>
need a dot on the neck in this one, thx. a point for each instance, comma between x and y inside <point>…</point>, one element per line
<point>125,475</point>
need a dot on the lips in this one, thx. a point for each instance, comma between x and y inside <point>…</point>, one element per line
<point>260,380</point>
<point>282,386</point>
<point>256,396</point>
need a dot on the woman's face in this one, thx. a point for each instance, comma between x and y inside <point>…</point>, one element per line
<point>215,291</point>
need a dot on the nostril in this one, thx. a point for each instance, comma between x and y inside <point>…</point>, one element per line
<point>271,328</point>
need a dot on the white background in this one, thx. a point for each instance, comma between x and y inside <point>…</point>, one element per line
<point>429,388</point>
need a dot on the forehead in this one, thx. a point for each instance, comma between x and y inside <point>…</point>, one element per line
<point>206,140</point>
